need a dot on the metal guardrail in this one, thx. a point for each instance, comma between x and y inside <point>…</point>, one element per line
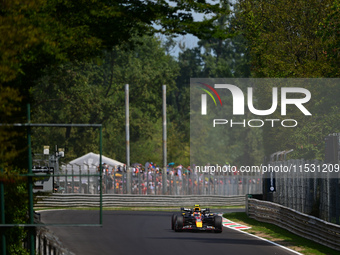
<point>111,200</point>
<point>47,243</point>
<point>304,225</point>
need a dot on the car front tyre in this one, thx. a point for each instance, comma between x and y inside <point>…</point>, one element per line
<point>218,224</point>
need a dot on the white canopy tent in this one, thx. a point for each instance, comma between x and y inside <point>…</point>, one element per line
<point>90,161</point>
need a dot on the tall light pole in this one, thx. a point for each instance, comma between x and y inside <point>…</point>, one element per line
<point>164,183</point>
<point>127,131</point>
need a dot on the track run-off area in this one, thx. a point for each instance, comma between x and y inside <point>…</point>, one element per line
<point>147,232</point>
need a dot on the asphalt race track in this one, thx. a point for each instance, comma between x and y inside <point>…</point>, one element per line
<point>138,232</point>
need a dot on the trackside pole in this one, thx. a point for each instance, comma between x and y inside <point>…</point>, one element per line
<point>101,175</point>
<point>127,131</point>
<point>30,185</point>
<point>2,210</point>
<point>164,173</point>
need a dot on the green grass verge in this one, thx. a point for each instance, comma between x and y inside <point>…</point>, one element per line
<point>280,235</point>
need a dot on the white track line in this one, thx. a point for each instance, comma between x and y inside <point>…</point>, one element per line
<point>283,247</point>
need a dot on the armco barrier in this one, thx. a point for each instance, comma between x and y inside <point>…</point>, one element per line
<point>111,200</point>
<point>47,243</point>
<point>304,225</point>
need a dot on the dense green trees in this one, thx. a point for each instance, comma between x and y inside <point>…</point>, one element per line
<point>225,57</point>
<point>284,37</point>
<point>93,92</point>
<point>329,32</point>
<point>296,39</point>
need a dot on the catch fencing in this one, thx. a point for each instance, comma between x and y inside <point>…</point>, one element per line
<point>143,183</point>
<point>315,192</point>
<point>304,225</point>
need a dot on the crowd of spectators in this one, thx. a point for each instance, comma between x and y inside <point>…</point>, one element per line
<point>147,179</point>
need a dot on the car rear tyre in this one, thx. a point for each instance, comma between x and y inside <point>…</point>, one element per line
<point>218,224</point>
<point>179,223</point>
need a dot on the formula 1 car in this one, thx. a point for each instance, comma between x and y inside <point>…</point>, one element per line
<point>196,219</point>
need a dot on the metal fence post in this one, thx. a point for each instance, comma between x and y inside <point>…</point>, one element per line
<point>175,185</point>
<point>100,175</point>
<point>2,210</point>
<point>170,185</point>
<point>30,184</point>
<point>114,183</point>
<point>187,175</point>
<point>155,186</point>
<point>80,182</point>
<point>147,182</point>
<point>139,183</point>
<point>72,178</point>
<point>66,187</point>
<point>106,181</point>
